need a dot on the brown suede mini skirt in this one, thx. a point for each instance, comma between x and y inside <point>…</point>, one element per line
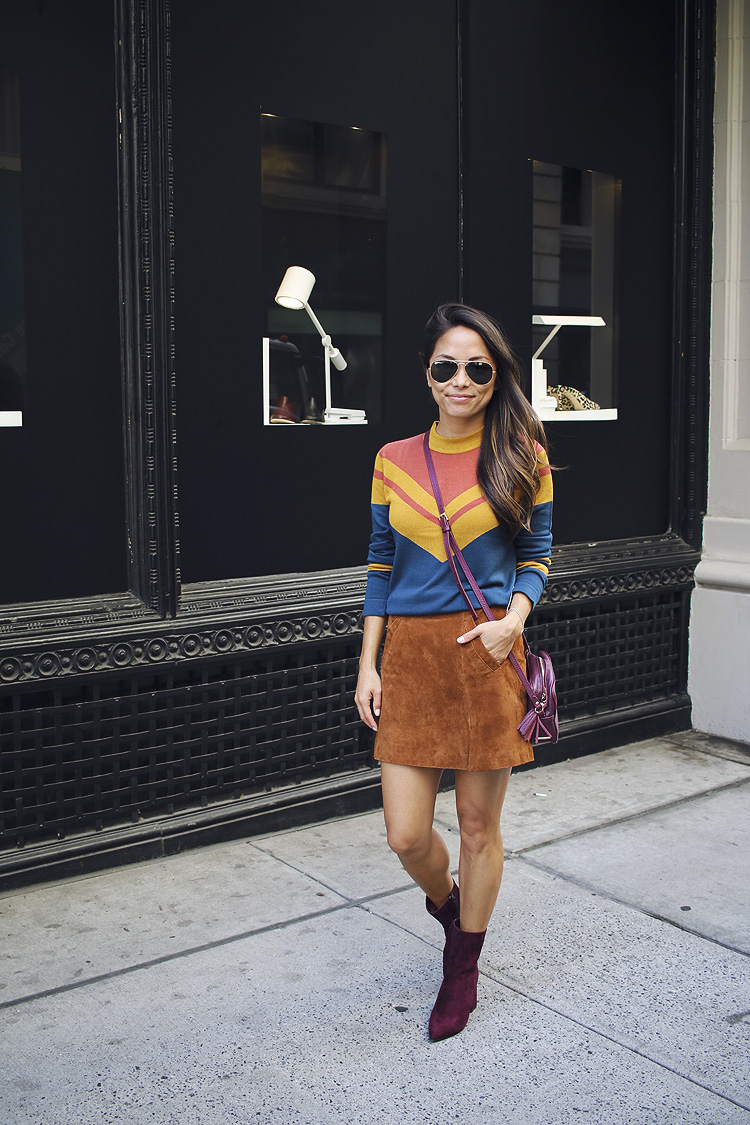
<point>446,705</point>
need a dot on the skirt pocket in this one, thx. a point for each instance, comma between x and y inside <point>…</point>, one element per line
<point>480,649</point>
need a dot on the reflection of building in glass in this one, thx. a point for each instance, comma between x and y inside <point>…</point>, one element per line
<point>12,319</point>
<point>324,206</point>
<point>574,273</point>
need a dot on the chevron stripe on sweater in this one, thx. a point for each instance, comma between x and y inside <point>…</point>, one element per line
<point>407,567</point>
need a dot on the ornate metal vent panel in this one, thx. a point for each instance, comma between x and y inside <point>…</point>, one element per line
<point>629,653</point>
<point>85,755</point>
<point>82,757</point>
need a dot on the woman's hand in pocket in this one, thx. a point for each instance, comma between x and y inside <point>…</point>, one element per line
<point>496,636</point>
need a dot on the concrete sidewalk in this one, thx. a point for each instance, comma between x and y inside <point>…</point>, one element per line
<point>289,978</point>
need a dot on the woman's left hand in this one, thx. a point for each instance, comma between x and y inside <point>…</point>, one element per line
<point>497,636</point>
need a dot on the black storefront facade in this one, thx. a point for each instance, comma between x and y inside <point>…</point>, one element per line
<point>181,609</point>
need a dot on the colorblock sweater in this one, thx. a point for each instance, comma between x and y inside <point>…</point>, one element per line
<point>408,572</point>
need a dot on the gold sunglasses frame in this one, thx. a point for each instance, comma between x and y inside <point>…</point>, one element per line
<point>462,363</point>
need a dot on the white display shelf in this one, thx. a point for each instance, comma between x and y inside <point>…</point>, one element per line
<point>577,415</point>
<point>541,400</point>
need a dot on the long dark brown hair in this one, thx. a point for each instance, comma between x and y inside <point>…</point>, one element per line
<point>507,468</point>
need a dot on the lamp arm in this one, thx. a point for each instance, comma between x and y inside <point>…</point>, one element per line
<point>315,321</point>
<point>540,349</point>
<point>338,360</point>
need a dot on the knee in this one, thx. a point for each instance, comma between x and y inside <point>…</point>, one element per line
<point>406,841</point>
<point>479,832</point>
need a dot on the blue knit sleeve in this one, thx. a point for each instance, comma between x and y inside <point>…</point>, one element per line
<point>533,545</point>
<point>379,562</point>
<point>382,546</point>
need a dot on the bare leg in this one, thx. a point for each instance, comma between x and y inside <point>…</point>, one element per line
<point>479,803</point>
<point>409,794</point>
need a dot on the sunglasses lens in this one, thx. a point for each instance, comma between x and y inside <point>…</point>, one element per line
<point>443,369</point>
<point>479,371</point>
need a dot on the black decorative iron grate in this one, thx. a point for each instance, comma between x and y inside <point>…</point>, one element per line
<point>81,756</point>
<point>626,652</point>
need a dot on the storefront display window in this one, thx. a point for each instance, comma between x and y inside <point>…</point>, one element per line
<point>323,209</point>
<point>576,214</point>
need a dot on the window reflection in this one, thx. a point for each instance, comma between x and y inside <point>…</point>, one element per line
<point>12,316</point>
<point>324,208</point>
<point>575,222</point>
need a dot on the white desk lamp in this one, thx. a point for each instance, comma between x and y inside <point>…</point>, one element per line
<point>294,292</point>
<point>546,405</point>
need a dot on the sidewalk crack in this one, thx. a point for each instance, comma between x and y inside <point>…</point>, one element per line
<point>625,818</point>
<point>640,909</point>
<point>204,947</point>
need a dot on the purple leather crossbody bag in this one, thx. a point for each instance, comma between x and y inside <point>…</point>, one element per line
<point>540,723</point>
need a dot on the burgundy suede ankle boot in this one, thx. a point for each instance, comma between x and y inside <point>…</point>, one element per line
<point>457,997</point>
<point>449,912</point>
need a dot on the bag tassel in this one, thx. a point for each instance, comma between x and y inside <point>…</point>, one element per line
<point>532,728</point>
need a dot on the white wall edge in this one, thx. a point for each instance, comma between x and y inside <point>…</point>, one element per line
<point>723,574</point>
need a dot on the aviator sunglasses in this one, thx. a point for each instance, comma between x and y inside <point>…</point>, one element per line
<point>478,370</point>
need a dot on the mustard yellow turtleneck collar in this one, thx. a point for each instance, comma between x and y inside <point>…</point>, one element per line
<point>441,444</point>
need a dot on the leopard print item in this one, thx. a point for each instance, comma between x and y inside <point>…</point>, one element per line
<point>568,398</point>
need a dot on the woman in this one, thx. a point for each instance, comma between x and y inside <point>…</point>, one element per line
<point>448,697</point>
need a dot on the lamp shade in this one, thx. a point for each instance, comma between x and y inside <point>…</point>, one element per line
<point>296,287</point>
